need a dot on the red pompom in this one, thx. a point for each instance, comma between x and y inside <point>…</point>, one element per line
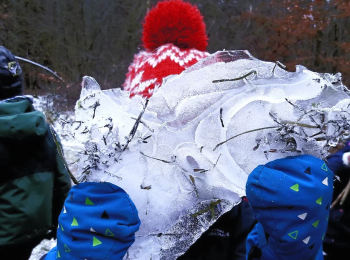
<point>175,22</point>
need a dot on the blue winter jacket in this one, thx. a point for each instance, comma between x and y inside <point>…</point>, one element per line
<point>98,221</point>
<point>335,161</point>
<point>290,198</point>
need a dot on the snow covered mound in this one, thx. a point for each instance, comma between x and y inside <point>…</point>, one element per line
<point>184,155</point>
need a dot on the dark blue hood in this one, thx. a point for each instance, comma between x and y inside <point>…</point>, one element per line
<point>335,161</point>
<point>290,198</point>
<point>98,221</point>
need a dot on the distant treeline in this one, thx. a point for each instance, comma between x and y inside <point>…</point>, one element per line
<point>99,38</point>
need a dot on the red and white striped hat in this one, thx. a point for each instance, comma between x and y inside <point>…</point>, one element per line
<point>174,38</point>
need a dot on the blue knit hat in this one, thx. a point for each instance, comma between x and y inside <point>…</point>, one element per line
<point>98,221</point>
<point>290,198</point>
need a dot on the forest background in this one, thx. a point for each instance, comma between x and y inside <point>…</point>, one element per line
<point>100,38</point>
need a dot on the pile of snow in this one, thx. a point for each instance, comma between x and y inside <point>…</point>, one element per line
<point>184,156</point>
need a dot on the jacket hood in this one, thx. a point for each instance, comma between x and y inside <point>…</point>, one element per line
<point>98,221</point>
<point>335,161</point>
<point>19,120</point>
<point>290,198</point>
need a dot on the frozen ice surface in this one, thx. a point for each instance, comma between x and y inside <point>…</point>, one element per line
<point>184,156</point>
<point>88,85</point>
<point>43,248</point>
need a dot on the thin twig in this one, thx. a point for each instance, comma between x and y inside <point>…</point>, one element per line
<point>279,64</point>
<point>338,198</point>
<point>222,122</point>
<point>95,106</point>
<point>235,79</point>
<point>141,122</point>
<point>60,153</point>
<point>164,161</point>
<point>216,162</point>
<point>134,128</point>
<point>41,66</point>
<point>304,111</point>
<point>247,132</point>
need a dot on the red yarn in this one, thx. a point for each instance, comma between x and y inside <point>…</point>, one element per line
<point>175,22</point>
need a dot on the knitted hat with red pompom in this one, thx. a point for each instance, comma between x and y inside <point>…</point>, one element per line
<point>174,38</point>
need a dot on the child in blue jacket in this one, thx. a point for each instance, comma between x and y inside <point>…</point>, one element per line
<point>290,198</point>
<point>98,221</point>
<point>337,240</point>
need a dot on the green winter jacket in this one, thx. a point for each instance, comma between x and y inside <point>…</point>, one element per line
<point>33,179</point>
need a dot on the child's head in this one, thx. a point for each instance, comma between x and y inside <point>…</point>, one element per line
<point>10,75</point>
<point>174,38</point>
<point>290,198</point>
<point>98,221</point>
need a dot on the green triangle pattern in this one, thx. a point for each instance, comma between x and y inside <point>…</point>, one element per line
<point>315,224</point>
<point>58,254</point>
<point>88,201</point>
<point>293,234</point>
<point>324,167</point>
<point>62,227</point>
<point>319,201</point>
<point>96,242</point>
<point>109,233</point>
<point>75,222</point>
<point>295,187</point>
<point>66,248</point>
<point>323,236</point>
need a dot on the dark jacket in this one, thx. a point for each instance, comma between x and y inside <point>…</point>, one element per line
<point>226,238</point>
<point>98,221</point>
<point>33,179</point>
<point>335,163</point>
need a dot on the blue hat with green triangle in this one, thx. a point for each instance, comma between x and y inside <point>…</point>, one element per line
<point>98,221</point>
<point>290,198</point>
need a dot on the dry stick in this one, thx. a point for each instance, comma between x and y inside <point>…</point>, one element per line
<point>222,122</point>
<point>134,128</point>
<point>283,123</point>
<point>41,66</point>
<point>60,153</point>
<point>164,161</point>
<point>216,162</point>
<point>243,77</point>
<point>305,112</point>
<point>299,124</point>
<point>141,122</point>
<point>279,64</point>
<point>339,197</point>
<point>95,106</point>
<point>250,131</point>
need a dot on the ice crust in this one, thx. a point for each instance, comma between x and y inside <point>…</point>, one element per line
<point>178,166</point>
